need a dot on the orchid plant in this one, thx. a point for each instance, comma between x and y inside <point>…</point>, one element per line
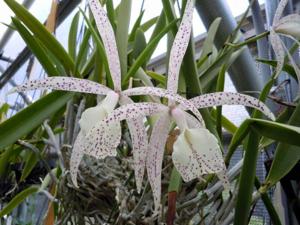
<point>196,152</point>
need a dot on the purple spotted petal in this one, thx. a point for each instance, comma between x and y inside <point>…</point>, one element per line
<point>103,139</point>
<point>65,84</point>
<point>230,98</point>
<point>109,41</point>
<point>278,50</point>
<point>166,94</point>
<point>157,143</point>
<point>105,136</point>
<point>279,11</point>
<point>139,139</point>
<point>76,156</point>
<point>179,47</point>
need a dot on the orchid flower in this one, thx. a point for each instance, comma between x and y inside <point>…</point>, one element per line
<point>105,107</point>
<point>100,128</point>
<point>288,26</point>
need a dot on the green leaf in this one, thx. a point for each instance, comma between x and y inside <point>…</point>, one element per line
<point>145,26</point>
<point>247,177</point>
<point>209,40</point>
<point>3,110</point>
<point>136,26</point>
<point>123,20</point>
<point>72,40</point>
<point>111,13</point>
<point>36,49</point>
<point>83,50</point>
<point>286,156</point>
<point>220,88</point>
<point>39,30</point>
<point>276,131</point>
<point>143,57</point>
<point>18,199</point>
<point>139,44</point>
<point>31,117</point>
<point>157,77</point>
<point>286,68</point>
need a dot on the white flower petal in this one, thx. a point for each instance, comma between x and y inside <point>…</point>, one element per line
<point>166,94</point>
<point>64,84</point>
<point>157,143</point>
<point>279,11</point>
<point>196,152</point>
<point>179,47</point>
<point>104,137</point>
<point>230,98</point>
<point>278,50</point>
<point>139,139</point>
<point>109,41</point>
<point>76,156</point>
<point>289,25</point>
<point>89,116</point>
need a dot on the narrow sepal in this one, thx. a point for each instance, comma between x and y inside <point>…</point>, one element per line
<point>64,84</point>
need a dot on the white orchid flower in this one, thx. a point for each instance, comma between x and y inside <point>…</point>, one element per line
<point>100,129</point>
<point>104,108</point>
<point>288,26</point>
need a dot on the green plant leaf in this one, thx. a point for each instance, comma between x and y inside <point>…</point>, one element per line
<point>83,50</point>
<point>136,26</point>
<point>145,26</point>
<point>18,199</point>
<point>157,77</point>
<point>286,68</point>
<point>247,177</point>
<point>286,156</point>
<point>31,117</point>
<point>36,49</point>
<point>209,40</point>
<point>39,30</point>
<point>147,52</point>
<point>139,44</point>
<point>72,40</point>
<point>123,20</point>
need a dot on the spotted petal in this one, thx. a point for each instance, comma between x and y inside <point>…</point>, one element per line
<point>179,47</point>
<point>230,98</point>
<point>196,152</point>
<point>166,94</point>
<point>155,154</point>
<point>77,154</point>
<point>279,11</point>
<point>109,41</point>
<point>64,84</point>
<point>278,50</point>
<point>139,139</point>
<point>105,136</point>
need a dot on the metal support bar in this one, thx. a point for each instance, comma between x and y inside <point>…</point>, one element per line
<point>64,9</point>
